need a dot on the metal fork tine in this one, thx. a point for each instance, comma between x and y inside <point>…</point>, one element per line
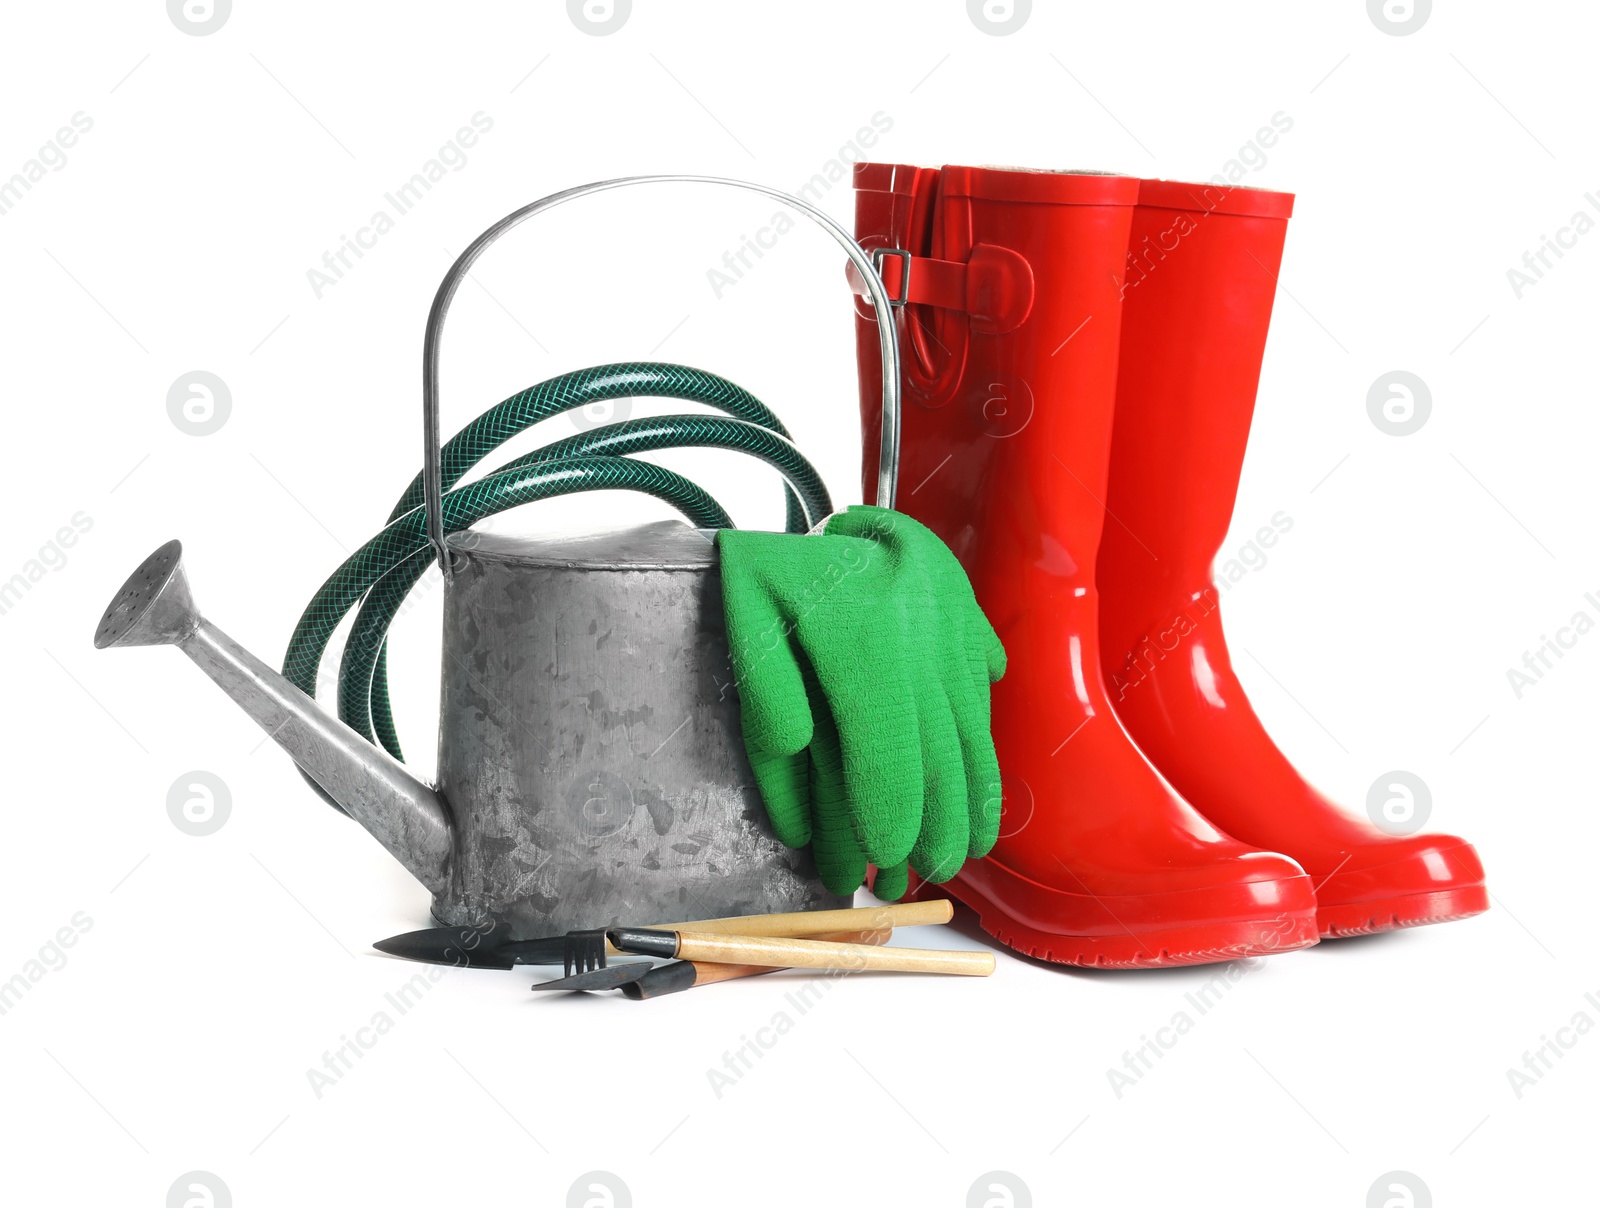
<point>584,951</point>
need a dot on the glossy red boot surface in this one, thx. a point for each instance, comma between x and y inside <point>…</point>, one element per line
<point>1010,341</point>
<point>1202,271</point>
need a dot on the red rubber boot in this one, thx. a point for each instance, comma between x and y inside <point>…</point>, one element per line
<point>1010,341</point>
<point>1202,269</point>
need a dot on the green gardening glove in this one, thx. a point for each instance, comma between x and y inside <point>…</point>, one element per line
<point>863,665</point>
<point>817,618</point>
<point>973,658</point>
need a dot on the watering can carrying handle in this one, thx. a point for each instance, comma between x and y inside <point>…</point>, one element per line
<point>888,452</point>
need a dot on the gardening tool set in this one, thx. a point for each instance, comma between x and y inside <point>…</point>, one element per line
<point>1010,687</point>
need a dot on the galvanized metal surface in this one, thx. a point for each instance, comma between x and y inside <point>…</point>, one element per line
<point>590,745</point>
<point>590,760</point>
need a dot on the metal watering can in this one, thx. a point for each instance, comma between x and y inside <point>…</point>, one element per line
<point>583,780</point>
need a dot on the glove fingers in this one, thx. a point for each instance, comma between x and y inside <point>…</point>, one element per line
<point>994,653</point>
<point>876,725</point>
<point>969,701</point>
<point>942,842</point>
<point>983,791</point>
<point>772,695</point>
<point>964,652</point>
<point>952,590</point>
<point>841,863</point>
<point>883,776</point>
<point>891,883</point>
<point>985,654</point>
<point>762,649</point>
<point>785,784</point>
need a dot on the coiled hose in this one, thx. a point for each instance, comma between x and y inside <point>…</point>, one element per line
<point>383,571</point>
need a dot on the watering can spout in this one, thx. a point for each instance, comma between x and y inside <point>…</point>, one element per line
<point>155,608</point>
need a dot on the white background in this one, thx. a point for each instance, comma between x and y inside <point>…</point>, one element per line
<point>217,970</point>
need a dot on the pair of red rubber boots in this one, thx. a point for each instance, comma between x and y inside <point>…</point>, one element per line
<point>1080,360</point>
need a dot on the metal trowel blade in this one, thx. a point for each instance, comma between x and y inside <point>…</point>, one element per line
<point>465,947</point>
<point>609,978</point>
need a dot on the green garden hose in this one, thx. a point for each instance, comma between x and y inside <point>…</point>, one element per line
<point>384,570</point>
<point>363,700</point>
<point>603,383</point>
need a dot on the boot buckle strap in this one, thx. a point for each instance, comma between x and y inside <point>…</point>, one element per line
<point>994,286</point>
<point>879,254</point>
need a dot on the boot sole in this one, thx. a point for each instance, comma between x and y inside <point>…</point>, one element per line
<point>1202,944</point>
<point>1339,922</point>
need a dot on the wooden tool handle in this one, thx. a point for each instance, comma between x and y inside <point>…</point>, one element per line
<point>816,922</point>
<point>678,976</point>
<point>819,954</point>
<point>707,972</point>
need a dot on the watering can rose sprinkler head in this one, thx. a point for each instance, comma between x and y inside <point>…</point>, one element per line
<point>155,608</point>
